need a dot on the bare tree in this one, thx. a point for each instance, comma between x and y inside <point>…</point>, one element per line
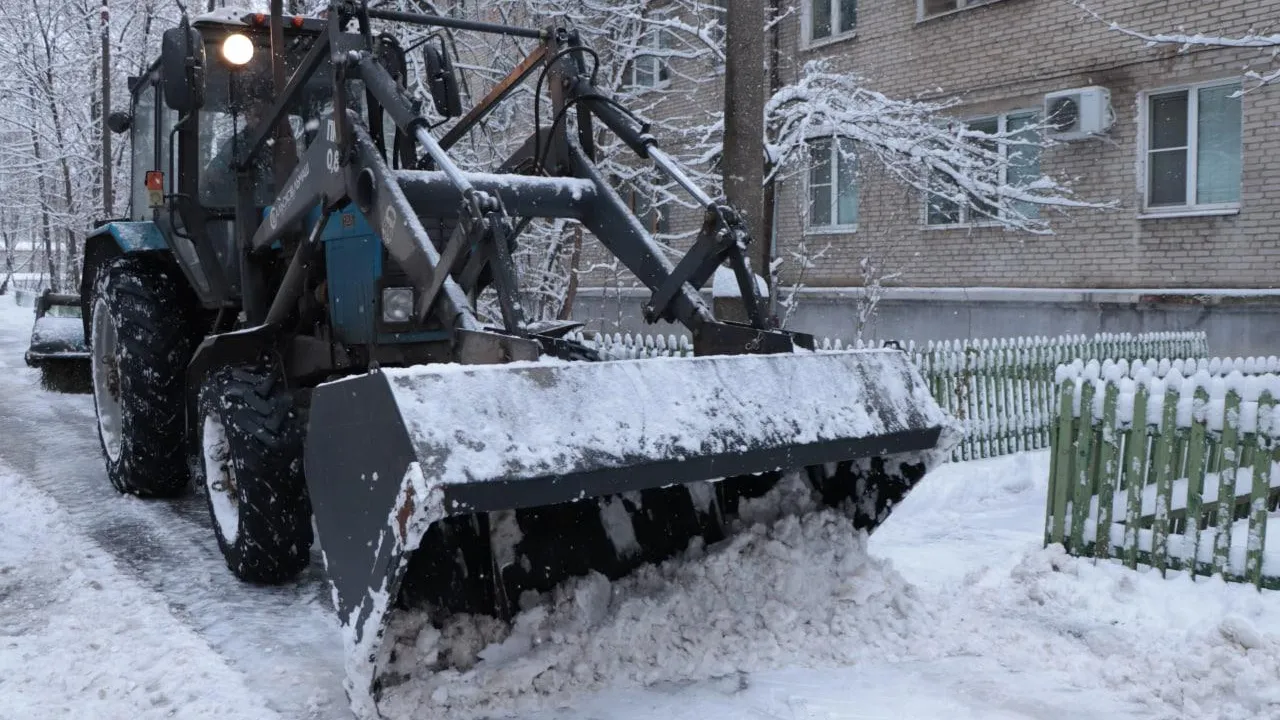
<point>6,234</point>
<point>65,61</point>
<point>1268,45</point>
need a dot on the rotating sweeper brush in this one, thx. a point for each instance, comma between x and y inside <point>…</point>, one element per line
<point>315,358</point>
<point>57,344</point>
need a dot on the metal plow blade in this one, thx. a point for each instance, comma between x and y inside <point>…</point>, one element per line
<point>58,345</point>
<point>428,483</point>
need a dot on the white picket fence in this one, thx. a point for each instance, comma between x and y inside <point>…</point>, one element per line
<point>1000,390</point>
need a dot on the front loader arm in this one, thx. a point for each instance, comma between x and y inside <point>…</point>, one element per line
<point>723,235</point>
<point>344,165</point>
<point>675,288</point>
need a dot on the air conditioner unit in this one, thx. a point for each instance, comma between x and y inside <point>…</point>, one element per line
<point>1078,114</point>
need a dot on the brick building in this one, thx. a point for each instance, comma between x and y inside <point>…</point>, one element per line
<point>1189,165</point>
<point>1001,58</point>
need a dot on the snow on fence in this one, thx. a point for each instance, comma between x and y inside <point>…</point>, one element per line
<point>1185,367</point>
<point>630,347</point>
<point>1180,472</point>
<point>1000,390</point>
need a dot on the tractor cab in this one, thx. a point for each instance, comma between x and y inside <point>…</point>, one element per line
<point>195,115</point>
<point>237,97</point>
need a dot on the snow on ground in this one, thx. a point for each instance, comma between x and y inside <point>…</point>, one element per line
<point>78,638</point>
<point>951,610</point>
<point>1170,647</point>
<point>280,643</point>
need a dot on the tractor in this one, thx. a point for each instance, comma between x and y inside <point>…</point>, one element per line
<point>287,320</point>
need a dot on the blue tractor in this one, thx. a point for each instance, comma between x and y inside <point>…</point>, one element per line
<point>287,320</point>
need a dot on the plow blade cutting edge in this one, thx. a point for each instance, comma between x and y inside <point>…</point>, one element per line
<point>405,465</point>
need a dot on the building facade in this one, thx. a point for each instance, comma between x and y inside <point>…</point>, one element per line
<point>1189,164</point>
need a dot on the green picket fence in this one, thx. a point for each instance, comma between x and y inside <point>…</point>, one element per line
<point>1174,472</point>
<point>1000,390</point>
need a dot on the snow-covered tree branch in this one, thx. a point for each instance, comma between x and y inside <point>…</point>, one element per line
<point>51,111</point>
<point>647,51</point>
<point>920,145</point>
<point>1186,40</point>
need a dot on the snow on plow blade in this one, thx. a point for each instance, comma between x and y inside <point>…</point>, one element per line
<point>396,456</point>
<point>58,345</point>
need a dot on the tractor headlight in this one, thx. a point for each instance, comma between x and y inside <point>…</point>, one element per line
<point>397,304</point>
<point>237,49</point>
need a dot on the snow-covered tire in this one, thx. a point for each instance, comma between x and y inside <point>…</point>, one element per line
<point>140,342</point>
<point>248,456</point>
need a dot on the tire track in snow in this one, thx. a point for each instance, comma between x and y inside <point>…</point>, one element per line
<point>79,638</point>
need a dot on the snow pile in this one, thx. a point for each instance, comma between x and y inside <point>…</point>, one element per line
<point>795,591</point>
<point>1166,647</point>
<point>991,626</point>
<point>1203,649</point>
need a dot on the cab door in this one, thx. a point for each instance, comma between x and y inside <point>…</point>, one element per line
<point>155,181</point>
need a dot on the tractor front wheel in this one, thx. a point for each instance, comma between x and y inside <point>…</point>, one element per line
<point>140,344</point>
<point>248,457</point>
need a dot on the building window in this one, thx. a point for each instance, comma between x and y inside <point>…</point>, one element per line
<point>719,13</point>
<point>719,16</point>
<point>651,70</point>
<point>653,217</point>
<point>833,184</point>
<point>829,18</point>
<point>930,8</point>
<point>1192,150</point>
<point>1021,167</point>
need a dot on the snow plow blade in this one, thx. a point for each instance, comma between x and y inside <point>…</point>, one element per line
<point>58,346</point>
<point>429,484</point>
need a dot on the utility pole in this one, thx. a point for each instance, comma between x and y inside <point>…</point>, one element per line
<point>745,81</point>
<point>770,212</point>
<point>108,195</point>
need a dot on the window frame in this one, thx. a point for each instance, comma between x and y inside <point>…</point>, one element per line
<point>807,39</point>
<point>655,219</point>
<point>961,6</point>
<point>966,219</point>
<point>1190,208</point>
<point>659,63</point>
<point>138,151</point>
<point>835,228</point>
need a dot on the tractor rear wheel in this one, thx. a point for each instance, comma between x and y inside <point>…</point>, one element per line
<point>140,344</point>
<point>248,457</point>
